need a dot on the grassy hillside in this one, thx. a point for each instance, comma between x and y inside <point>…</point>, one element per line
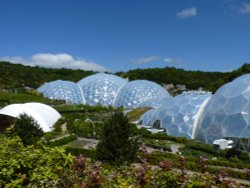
<point>17,76</point>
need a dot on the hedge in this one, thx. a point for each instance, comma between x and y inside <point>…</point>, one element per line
<point>89,153</point>
<point>63,141</point>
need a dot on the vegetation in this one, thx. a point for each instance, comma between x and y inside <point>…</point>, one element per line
<point>42,166</point>
<point>32,166</point>
<point>15,77</point>
<point>24,162</point>
<point>193,80</point>
<point>63,141</point>
<point>9,98</point>
<point>27,129</point>
<point>117,145</point>
<point>135,114</point>
<point>202,166</point>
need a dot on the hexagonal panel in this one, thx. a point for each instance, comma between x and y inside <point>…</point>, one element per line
<point>136,94</point>
<point>227,112</point>
<point>62,90</point>
<point>179,115</point>
<point>101,88</point>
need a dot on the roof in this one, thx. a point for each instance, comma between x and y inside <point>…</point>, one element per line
<point>45,115</point>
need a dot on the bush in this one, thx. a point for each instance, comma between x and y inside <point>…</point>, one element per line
<point>117,145</point>
<point>58,125</point>
<point>27,129</point>
<point>32,166</point>
<point>63,141</point>
<point>192,166</point>
<point>164,148</point>
<point>203,147</point>
<point>51,135</point>
<point>224,163</point>
<point>89,153</point>
<point>87,129</point>
<point>228,172</point>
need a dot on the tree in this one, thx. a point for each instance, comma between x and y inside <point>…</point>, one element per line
<point>27,129</point>
<point>117,145</point>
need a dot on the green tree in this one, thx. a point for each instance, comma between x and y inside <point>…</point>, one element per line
<point>27,129</point>
<point>117,144</point>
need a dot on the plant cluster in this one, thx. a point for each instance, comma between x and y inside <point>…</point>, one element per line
<point>117,144</point>
<point>41,166</point>
<point>27,129</point>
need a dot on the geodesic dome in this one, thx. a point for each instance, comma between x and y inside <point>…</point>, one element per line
<point>177,115</point>
<point>227,113</point>
<point>101,88</point>
<point>136,93</point>
<point>62,90</point>
<point>148,118</point>
<point>153,103</point>
<point>107,90</point>
<point>45,115</point>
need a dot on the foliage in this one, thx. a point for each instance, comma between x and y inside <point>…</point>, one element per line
<point>58,125</point>
<point>238,154</point>
<point>87,129</point>
<point>135,114</point>
<point>27,129</point>
<point>63,141</point>
<point>43,166</point>
<point>51,135</point>
<point>116,144</point>
<point>89,153</point>
<point>8,98</point>
<point>31,166</point>
<point>14,77</point>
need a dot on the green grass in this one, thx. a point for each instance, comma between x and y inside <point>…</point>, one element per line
<point>135,114</point>
<point>9,98</point>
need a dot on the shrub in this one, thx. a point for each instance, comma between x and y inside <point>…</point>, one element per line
<point>63,141</point>
<point>117,145</point>
<point>202,147</point>
<point>31,166</point>
<point>27,129</point>
<point>58,125</point>
<point>89,153</point>
<point>51,135</point>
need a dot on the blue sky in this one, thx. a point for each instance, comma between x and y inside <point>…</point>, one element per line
<point>118,35</point>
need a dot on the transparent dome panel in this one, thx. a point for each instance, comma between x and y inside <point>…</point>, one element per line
<point>227,112</point>
<point>62,90</point>
<point>101,88</point>
<point>140,93</point>
<point>178,116</point>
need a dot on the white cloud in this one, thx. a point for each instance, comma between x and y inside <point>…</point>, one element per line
<point>174,61</point>
<point>189,12</point>
<point>147,59</point>
<point>151,59</point>
<point>245,8</point>
<point>56,61</point>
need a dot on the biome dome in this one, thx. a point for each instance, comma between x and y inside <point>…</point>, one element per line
<point>135,93</point>
<point>101,88</point>
<point>45,115</point>
<point>107,90</point>
<point>177,116</point>
<point>227,113</point>
<point>62,90</point>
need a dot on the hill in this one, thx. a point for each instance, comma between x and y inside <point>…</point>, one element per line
<point>193,80</point>
<point>15,77</point>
